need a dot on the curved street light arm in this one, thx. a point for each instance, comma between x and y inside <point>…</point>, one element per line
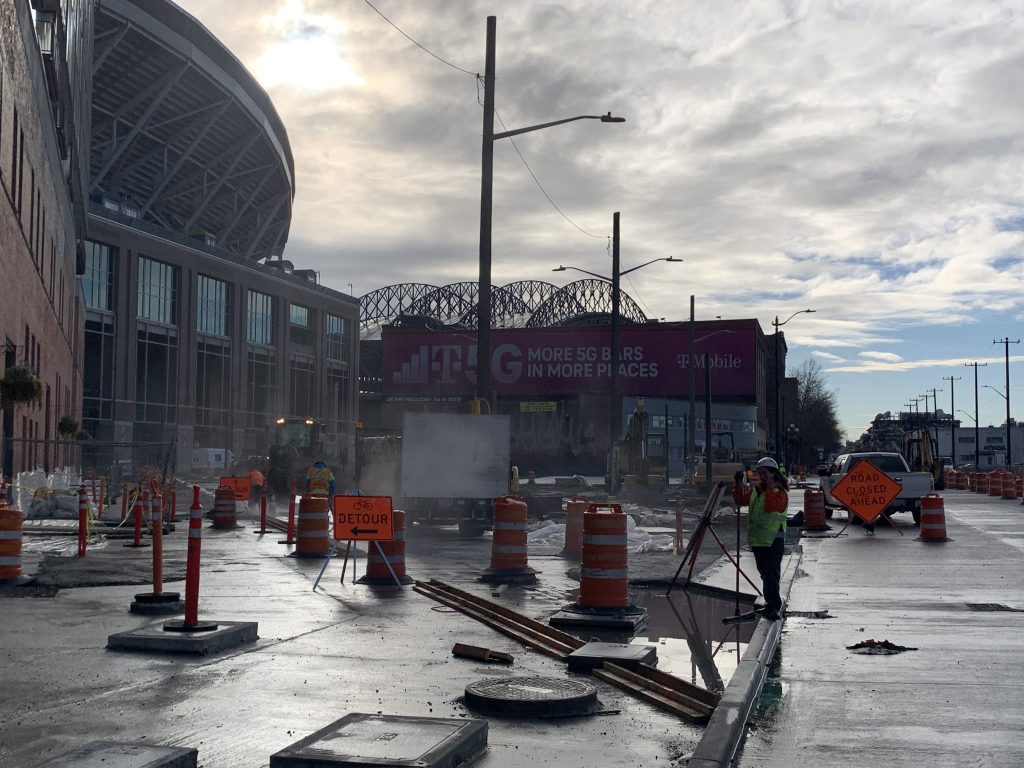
<point>515,132</point>
<point>640,266</point>
<point>989,386</point>
<point>560,268</point>
<point>777,324</point>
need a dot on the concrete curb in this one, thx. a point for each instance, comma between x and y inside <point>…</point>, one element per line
<point>728,724</point>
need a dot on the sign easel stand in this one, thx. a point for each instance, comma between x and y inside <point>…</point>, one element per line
<point>344,565</point>
<point>693,545</point>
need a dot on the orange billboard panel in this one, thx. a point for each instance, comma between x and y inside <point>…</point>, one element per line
<point>363,518</point>
<point>866,490</point>
<point>239,485</point>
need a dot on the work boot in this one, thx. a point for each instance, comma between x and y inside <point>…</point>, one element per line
<point>772,615</point>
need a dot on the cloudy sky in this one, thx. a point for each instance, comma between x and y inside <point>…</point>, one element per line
<point>863,159</point>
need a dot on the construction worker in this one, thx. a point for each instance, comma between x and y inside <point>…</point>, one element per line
<point>256,484</point>
<point>767,500</point>
<point>320,480</point>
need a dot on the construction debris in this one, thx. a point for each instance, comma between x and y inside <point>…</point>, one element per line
<point>878,648</point>
<point>464,651</point>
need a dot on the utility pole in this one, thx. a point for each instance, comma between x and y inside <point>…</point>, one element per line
<point>935,415</point>
<point>952,418</point>
<point>977,431</point>
<point>483,315</point>
<point>691,438</point>
<point>1006,346</point>
<point>615,411</point>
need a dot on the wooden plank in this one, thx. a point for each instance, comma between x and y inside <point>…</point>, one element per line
<point>670,690</point>
<point>651,697</point>
<point>671,681</point>
<point>555,634</point>
<point>541,644</point>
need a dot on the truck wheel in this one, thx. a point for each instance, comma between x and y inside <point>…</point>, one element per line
<point>917,516</point>
<point>828,512</point>
<point>471,529</point>
<point>854,520</point>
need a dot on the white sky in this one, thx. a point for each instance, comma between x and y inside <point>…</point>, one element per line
<point>860,158</point>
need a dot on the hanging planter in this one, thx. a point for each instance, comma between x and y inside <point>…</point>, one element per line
<point>67,426</point>
<point>20,385</point>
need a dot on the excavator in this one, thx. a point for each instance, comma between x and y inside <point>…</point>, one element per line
<point>918,450</point>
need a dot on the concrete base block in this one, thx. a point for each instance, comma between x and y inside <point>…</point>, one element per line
<point>509,576</point>
<point>594,654</point>
<point>373,741</point>
<point>156,639</point>
<point>119,754</point>
<point>631,618</point>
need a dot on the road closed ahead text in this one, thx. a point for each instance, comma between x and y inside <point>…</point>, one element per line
<point>866,490</point>
<point>363,518</point>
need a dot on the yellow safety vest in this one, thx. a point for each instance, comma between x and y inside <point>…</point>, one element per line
<point>318,481</point>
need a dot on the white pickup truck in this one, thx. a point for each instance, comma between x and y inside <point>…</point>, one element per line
<point>915,484</point>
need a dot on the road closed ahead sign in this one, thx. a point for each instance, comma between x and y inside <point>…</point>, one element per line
<point>866,490</point>
<point>363,518</point>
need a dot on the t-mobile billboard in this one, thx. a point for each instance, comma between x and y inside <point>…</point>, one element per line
<point>564,361</point>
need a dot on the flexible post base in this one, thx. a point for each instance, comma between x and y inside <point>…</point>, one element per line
<point>150,603</point>
<point>509,576</point>
<point>631,617</point>
<point>181,626</point>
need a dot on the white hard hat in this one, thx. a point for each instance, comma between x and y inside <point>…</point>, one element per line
<point>768,462</point>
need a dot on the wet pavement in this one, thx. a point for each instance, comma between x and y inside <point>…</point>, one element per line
<point>958,700</point>
<point>321,655</point>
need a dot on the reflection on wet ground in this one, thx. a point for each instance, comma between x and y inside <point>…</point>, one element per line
<point>691,640</point>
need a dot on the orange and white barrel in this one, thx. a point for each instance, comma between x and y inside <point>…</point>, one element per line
<point>224,508</point>
<point>1009,486</point>
<point>995,483</point>
<point>604,570</point>
<point>933,519</point>
<point>11,521</point>
<point>814,510</point>
<point>377,572</point>
<point>1018,487</point>
<point>509,558</point>
<point>961,481</point>
<point>972,481</point>
<point>312,537</point>
<point>574,509</point>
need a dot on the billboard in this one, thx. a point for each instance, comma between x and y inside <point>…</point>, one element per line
<point>654,361</point>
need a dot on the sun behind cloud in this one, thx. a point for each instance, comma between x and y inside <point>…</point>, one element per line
<point>306,51</point>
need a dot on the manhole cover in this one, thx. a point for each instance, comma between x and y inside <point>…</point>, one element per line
<point>531,696</point>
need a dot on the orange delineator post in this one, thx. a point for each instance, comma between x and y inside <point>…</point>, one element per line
<point>137,520</point>
<point>290,530</point>
<point>124,502</point>
<point>83,520</point>
<point>156,519</point>
<point>191,621</point>
<point>263,511</point>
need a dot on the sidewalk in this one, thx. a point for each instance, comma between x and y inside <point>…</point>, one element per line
<point>958,700</point>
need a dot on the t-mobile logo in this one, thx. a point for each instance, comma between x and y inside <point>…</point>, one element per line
<point>439,364</point>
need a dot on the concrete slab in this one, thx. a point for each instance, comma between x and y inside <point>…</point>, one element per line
<point>594,654</point>
<point>625,619</point>
<point>156,639</point>
<point>388,740</point>
<point>117,754</point>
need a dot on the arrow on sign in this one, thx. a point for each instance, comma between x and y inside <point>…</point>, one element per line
<point>357,531</point>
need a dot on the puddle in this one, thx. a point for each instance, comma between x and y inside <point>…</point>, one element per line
<point>688,633</point>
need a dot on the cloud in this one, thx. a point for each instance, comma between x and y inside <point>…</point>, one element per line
<point>828,356</point>
<point>909,365</point>
<point>884,357</point>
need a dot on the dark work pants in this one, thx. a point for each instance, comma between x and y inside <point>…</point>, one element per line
<point>769,565</point>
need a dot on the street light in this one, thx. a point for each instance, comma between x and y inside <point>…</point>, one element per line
<point>989,386</point>
<point>483,320</point>
<point>615,406</point>
<point>778,386</point>
<point>793,437</point>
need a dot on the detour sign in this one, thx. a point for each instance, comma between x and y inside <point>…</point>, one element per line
<point>239,485</point>
<point>866,490</point>
<point>363,518</point>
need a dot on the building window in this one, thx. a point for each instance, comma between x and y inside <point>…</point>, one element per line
<point>300,387</point>
<point>98,375</point>
<point>98,279</point>
<point>965,439</point>
<point>157,293</point>
<point>298,315</point>
<point>336,347</point>
<point>262,387</point>
<point>338,397</point>
<point>212,306</point>
<point>213,382</point>
<point>156,375</point>
<point>261,318</point>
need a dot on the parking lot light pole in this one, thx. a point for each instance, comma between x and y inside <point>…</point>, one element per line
<point>615,406</point>
<point>483,320</point>
<point>778,384</point>
<point>1006,346</point>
